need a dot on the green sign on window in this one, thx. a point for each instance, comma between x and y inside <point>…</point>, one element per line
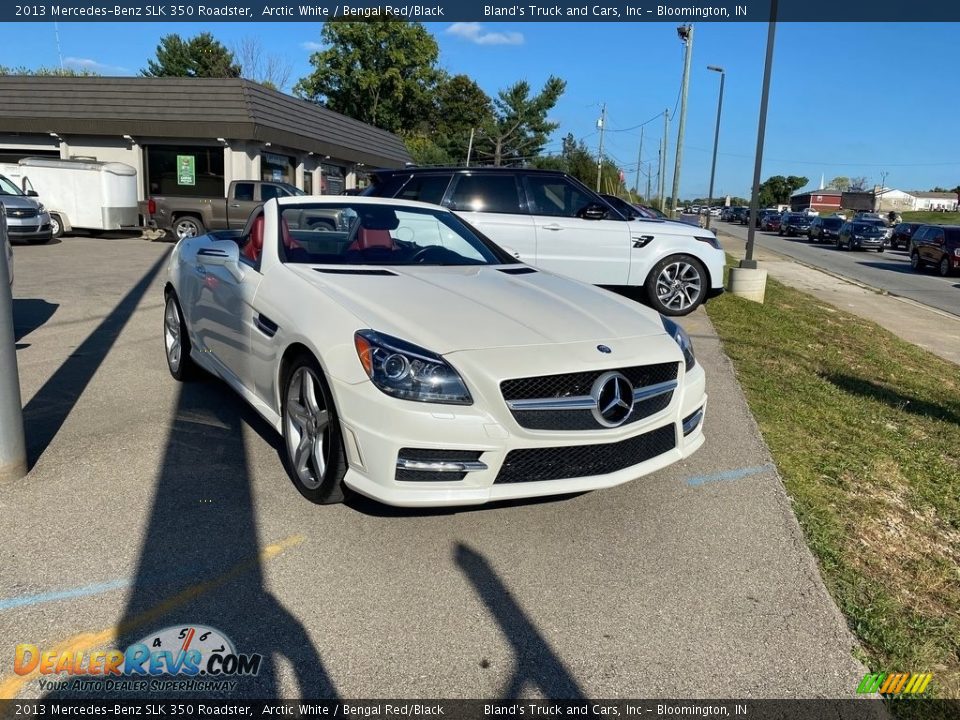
<point>186,170</point>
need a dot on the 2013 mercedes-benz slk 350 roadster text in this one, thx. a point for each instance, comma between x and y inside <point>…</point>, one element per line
<point>405,356</point>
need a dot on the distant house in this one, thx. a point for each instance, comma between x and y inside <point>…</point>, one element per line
<point>827,199</point>
<point>935,201</point>
<point>888,199</point>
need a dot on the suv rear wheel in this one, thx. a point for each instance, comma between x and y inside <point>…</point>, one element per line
<point>676,285</point>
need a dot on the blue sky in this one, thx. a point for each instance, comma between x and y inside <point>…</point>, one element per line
<point>845,99</point>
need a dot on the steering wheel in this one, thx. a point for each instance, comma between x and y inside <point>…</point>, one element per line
<point>420,255</point>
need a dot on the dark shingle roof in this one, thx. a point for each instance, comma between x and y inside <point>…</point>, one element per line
<point>190,108</point>
<point>825,191</point>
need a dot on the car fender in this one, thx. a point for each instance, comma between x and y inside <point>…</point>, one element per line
<point>642,260</point>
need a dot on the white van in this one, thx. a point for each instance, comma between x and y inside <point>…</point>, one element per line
<point>85,194</point>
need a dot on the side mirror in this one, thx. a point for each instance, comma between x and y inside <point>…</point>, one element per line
<point>222,253</point>
<point>594,211</point>
<point>32,193</point>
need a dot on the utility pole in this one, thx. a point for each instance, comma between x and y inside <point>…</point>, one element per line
<point>883,181</point>
<point>649,172</point>
<point>686,35</point>
<point>470,147</point>
<point>716,138</point>
<point>663,159</point>
<point>636,182</point>
<point>601,123</point>
<point>13,452</point>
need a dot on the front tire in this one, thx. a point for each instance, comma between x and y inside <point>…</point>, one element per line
<point>176,342</point>
<point>915,263</point>
<point>314,454</point>
<point>943,267</point>
<point>56,226</point>
<point>188,226</point>
<point>676,285</point>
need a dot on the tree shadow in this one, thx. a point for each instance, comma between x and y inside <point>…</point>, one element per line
<point>535,661</point>
<point>30,314</point>
<point>892,398</point>
<point>201,561</point>
<point>899,267</point>
<point>46,412</point>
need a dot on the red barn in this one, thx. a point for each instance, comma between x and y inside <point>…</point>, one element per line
<point>827,199</point>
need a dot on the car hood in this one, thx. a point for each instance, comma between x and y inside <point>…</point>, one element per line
<point>21,202</point>
<point>447,309</point>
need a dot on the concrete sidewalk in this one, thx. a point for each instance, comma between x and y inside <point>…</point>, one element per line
<point>927,327</point>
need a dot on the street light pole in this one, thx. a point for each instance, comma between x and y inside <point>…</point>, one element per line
<point>13,453</point>
<point>663,160</point>
<point>716,138</point>
<point>686,34</point>
<point>748,261</point>
<point>602,124</point>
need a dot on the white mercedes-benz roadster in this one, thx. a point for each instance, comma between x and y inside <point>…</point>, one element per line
<point>405,356</point>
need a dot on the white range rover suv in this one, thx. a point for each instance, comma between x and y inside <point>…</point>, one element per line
<point>551,220</point>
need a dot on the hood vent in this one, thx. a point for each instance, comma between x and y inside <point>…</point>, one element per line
<point>517,271</point>
<point>355,271</point>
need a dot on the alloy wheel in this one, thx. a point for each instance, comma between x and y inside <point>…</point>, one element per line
<point>679,285</point>
<point>171,334</point>
<point>307,422</point>
<point>185,229</point>
<point>944,266</point>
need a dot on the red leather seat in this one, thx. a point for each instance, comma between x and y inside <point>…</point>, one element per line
<point>367,239</point>
<point>288,241</point>
<point>254,245</point>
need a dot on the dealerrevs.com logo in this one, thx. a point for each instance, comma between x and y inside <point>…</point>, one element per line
<point>184,658</point>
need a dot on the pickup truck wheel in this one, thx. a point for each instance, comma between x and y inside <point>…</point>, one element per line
<point>56,226</point>
<point>676,285</point>
<point>187,227</point>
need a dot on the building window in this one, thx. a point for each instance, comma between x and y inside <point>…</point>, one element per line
<point>332,179</point>
<point>191,170</point>
<point>276,168</point>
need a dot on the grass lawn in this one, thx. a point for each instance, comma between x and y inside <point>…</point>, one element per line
<point>865,431</point>
<point>934,218</point>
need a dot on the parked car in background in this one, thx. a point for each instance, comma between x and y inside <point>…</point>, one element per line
<point>880,223</point>
<point>794,223</point>
<point>82,194</point>
<point>189,217</point>
<point>6,245</point>
<point>739,213</point>
<point>902,234</point>
<point>651,212</point>
<point>553,221</point>
<point>763,215</point>
<point>726,214</point>
<point>771,222</point>
<point>27,218</point>
<point>824,229</point>
<point>857,235</point>
<point>936,246</point>
<point>383,354</point>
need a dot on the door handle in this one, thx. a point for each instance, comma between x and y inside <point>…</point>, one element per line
<point>554,226</point>
<point>236,205</point>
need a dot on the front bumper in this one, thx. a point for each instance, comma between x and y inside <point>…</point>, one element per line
<point>376,429</point>
<point>37,228</point>
<point>869,243</point>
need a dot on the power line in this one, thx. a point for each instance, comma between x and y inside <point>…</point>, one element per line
<point>827,162</point>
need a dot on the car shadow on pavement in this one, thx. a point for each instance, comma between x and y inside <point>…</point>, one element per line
<point>537,665</point>
<point>30,314</point>
<point>201,560</point>
<point>894,399</point>
<point>900,267</point>
<point>47,410</point>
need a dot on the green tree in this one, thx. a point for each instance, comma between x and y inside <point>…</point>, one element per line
<point>380,71</point>
<point>47,71</point>
<point>426,151</point>
<point>461,106</point>
<point>199,56</point>
<point>841,183</point>
<point>858,184</point>
<point>577,160</point>
<point>520,127</point>
<point>776,190</point>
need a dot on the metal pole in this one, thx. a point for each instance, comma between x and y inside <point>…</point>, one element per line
<point>748,261</point>
<point>636,182</point>
<point>470,147</point>
<point>663,159</point>
<point>686,34</point>
<point>716,138</point>
<point>603,123</point>
<point>649,173</point>
<point>13,450</point>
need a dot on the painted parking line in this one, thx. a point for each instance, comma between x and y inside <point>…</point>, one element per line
<point>41,598</point>
<point>10,686</point>
<point>737,474</point>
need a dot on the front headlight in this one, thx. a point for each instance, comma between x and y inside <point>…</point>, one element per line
<point>406,371</point>
<point>41,208</point>
<point>682,339</point>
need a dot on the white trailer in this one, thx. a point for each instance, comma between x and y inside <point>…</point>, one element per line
<point>84,194</point>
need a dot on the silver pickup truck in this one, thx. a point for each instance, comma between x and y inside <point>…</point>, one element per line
<point>187,217</point>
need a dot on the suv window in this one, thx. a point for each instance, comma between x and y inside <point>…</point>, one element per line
<point>555,196</point>
<point>934,235</point>
<point>425,188</point>
<point>243,191</point>
<point>486,193</point>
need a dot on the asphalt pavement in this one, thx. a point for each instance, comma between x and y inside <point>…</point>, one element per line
<point>888,271</point>
<point>152,504</point>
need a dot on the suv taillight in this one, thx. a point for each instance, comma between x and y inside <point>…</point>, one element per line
<point>152,206</point>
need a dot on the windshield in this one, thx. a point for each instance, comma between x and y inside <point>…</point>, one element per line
<point>7,187</point>
<point>363,234</point>
<point>293,190</point>
<point>863,227</point>
<point>832,223</point>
